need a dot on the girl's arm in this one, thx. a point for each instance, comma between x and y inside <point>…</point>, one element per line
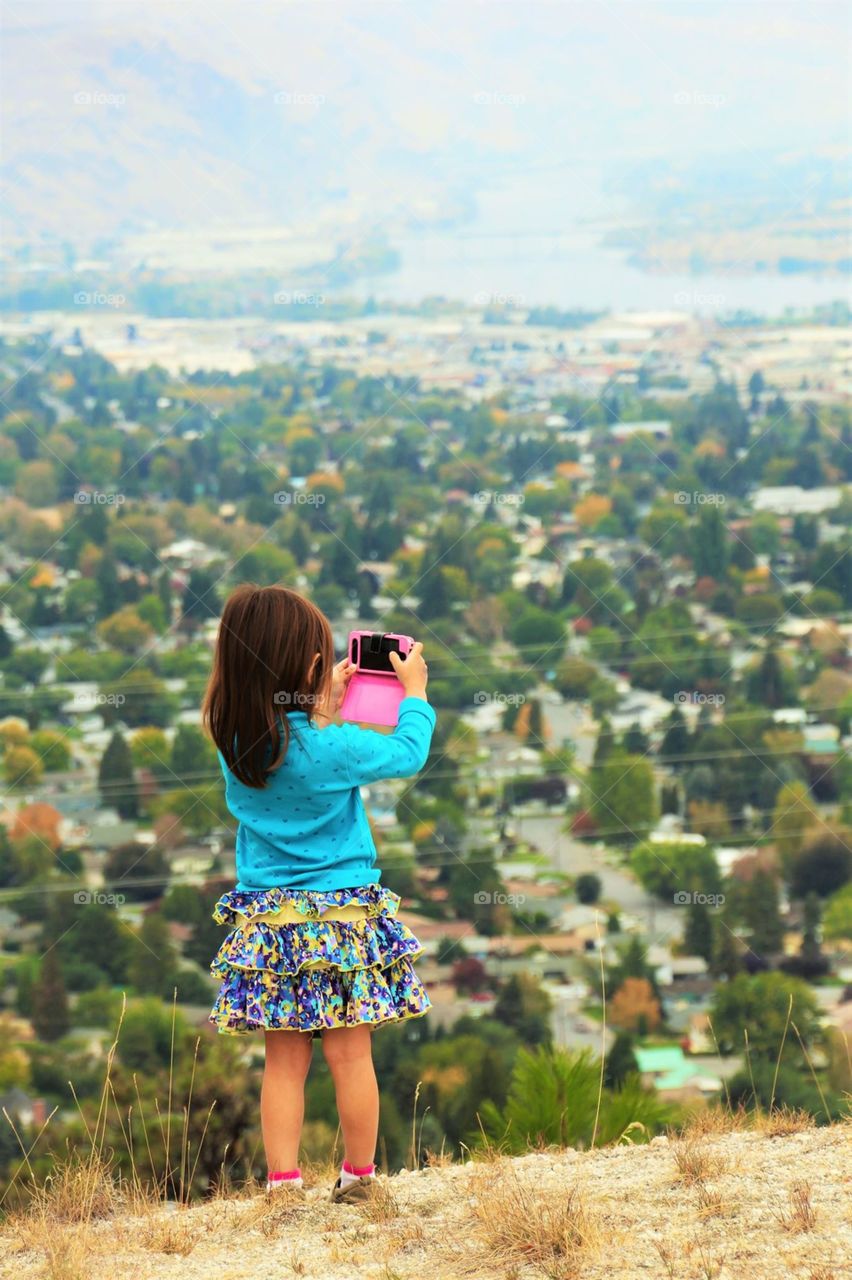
<point>371,756</point>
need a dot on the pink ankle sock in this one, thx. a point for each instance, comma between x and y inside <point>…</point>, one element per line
<point>289,1176</point>
<point>354,1171</point>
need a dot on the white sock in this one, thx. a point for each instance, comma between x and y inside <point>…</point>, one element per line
<point>275,1180</point>
<point>348,1174</point>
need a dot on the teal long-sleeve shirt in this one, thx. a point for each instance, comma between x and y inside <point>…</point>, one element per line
<point>307,828</point>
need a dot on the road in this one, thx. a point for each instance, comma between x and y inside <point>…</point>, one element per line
<point>544,832</point>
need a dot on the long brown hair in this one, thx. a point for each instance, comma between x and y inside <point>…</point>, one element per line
<point>267,640</point>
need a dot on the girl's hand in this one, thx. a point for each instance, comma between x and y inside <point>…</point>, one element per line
<point>411,671</point>
<point>342,673</point>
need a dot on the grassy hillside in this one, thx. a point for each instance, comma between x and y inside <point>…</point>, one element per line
<point>723,1201</point>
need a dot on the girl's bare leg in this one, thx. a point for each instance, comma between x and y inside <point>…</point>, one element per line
<point>348,1052</point>
<point>282,1097</point>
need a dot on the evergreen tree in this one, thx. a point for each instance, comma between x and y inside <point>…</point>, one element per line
<point>192,754</point>
<point>620,1061</point>
<point>116,782</point>
<point>767,686</point>
<point>524,1005</point>
<point>200,599</point>
<point>153,960</point>
<point>727,953</point>
<point>699,935</point>
<point>675,744</point>
<point>50,1016</point>
<point>762,915</point>
<point>109,587</point>
<point>710,549</point>
<point>635,741</point>
<point>164,592</point>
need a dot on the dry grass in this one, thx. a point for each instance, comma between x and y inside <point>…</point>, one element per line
<point>711,1204</point>
<point>518,1225</point>
<point>713,1121</point>
<point>669,1256</point>
<point>172,1234</point>
<point>801,1215</point>
<point>383,1206</point>
<point>782,1121</point>
<point>695,1164</point>
<point>269,1214</point>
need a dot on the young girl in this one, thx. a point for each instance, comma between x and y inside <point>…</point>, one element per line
<point>315,948</point>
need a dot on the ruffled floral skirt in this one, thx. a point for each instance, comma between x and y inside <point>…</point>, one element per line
<point>292,964</point>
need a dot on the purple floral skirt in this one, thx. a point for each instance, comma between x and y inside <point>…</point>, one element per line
<point>290,965</point>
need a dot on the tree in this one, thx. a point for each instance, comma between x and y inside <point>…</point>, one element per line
<point>793,815</point>
<point>153,961</point>
<point>760,912</point>
<point>587,887</point>
<point>469,975</point>
<point>200,599</point>
<point>127,863</point>
<point>810,962</point>
<point>193,754</point>
<point>575,677</point>
<point>620,1061</point>
<point>539,635</point>
<point>149,749</point>
<point>823,865</point>
<point>699,934</point>
<point>666,869</point>
<point>524,1005</point>
<point>52,749</point>
<point>726,961</point>
<point>635,1007</point>
<point>837,921</point>
<point>49,1000</point>
<point>770,683</point>
<point>622,797</point>
<point>116,780</point>
<point>761,1006</point>
<point>22,767</point>
<point>39,821</point>
<point>710,548</point>
<point>126,631</point>
<point>554,1100</point>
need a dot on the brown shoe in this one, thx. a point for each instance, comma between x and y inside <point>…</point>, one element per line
<point>283,1193</point>
<point>355,1193</point>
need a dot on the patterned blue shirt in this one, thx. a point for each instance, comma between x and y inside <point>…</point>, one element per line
<point>307,828</point>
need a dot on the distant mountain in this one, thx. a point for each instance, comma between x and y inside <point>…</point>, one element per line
<point>121,119</point>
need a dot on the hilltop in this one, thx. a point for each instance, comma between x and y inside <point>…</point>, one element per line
<point>753,1205</point>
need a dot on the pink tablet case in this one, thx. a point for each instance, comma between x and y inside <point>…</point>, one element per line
<point>373,697</point>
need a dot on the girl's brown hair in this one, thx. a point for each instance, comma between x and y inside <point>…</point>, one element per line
<point>267,640</point>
